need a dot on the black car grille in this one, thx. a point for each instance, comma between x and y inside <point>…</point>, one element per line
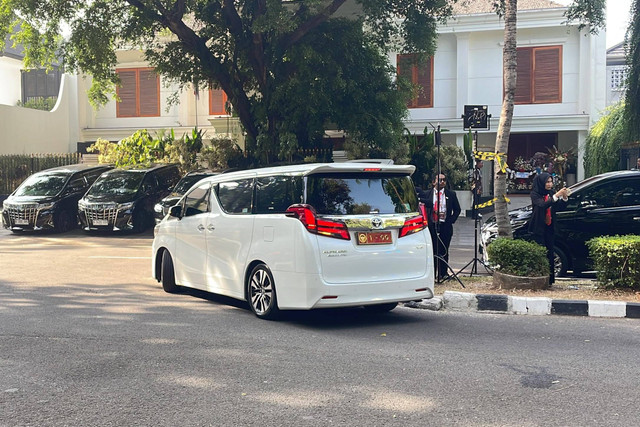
<point>101,212</point>
<point>21,214</point>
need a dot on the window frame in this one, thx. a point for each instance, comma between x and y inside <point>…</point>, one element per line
<point>532,75</point>
<point>415,67</point>
<point>138,71</point>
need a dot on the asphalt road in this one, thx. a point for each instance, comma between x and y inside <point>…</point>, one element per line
<point>87,338</point>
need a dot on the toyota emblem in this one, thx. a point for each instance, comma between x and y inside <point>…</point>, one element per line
<point>376,223</point>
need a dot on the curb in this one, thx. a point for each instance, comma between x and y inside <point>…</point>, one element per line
<point>536,306</point>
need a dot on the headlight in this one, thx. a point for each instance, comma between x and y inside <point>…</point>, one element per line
<point>45,206</point>
<point>125,206</point>
<point>158,208</point>
<point>82,204</point>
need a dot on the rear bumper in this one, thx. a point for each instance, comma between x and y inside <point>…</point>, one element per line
<point>298,291</point>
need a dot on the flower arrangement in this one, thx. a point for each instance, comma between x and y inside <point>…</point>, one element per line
<point>559,160</point>
<point>522,165</point>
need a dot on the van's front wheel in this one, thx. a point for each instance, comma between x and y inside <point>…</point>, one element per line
<point>261,293</point>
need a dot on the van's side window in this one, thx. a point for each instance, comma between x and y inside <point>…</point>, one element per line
<point>197,201</point>
<point>235,196</point>
<point>274,194</point>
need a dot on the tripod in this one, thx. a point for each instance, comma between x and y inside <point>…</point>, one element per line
<point>438,258</point>
<point>474,262</point>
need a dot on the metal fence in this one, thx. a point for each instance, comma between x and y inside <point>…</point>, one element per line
<point>16,168</point>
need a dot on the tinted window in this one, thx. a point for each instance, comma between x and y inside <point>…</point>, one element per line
<point>187,182</point>
<point>43,184</point>
<point>621,192</point>
<point>77,183</point>
<point>117,183</point>
<point>235,196</point>
<point>357,193</point>
<point>167,177</point>
<point>275,194</point>
<point>197,201</point>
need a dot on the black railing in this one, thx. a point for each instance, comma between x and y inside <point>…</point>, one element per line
<point>16,168</point>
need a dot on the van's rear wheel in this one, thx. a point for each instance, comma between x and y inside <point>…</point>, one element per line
<point>261,293</point>
<point>168,275</point>
<point>381,308</point>
<point>560,263</point>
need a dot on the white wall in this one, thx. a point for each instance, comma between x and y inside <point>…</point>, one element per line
<point>10,79</point>
<point>26,131</point>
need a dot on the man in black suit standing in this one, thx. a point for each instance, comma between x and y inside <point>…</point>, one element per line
<point>442,208</point>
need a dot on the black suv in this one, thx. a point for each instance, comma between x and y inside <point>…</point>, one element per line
<point>603,205</point>
<point>123,199</point>
<point>162,207</point>
<point>48,200</point>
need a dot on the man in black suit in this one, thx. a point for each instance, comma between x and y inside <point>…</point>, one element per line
<point>442,208</point>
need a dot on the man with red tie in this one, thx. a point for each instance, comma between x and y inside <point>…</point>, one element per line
<point>442,208</point>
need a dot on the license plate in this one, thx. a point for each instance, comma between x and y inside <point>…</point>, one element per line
<point>20,221</point>
<point>374,238</point>
<point>100,222</point>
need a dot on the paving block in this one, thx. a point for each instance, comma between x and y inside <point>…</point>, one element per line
<point>459,301</point>
<point>607,308</point>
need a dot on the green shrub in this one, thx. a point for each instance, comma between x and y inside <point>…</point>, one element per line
<point>617,260</point>
<point>518,257</point>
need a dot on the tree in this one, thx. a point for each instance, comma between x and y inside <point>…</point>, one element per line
<point>255,50</point>
<point>632,94</point>
<point>587,12</point>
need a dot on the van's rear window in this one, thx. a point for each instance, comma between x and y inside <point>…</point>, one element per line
<point>361,194</point>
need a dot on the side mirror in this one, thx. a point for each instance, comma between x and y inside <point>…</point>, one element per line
<point>175,211</point>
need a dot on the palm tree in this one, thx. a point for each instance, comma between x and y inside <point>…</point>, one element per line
<point>509,56</point>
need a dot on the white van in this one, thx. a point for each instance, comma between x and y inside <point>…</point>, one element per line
<point>300,237</point>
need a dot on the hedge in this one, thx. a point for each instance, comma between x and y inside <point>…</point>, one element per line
<point>518,257</point>
<point>617,260</point>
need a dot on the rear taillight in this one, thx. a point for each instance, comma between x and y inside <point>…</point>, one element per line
<point>412,225</point>
<point>307,215</point>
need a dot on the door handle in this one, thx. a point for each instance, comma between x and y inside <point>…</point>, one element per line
<point>200,227</point>
<point>636,218</point>
<point>210,227</point>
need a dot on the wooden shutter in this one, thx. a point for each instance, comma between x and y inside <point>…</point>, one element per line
<point>127,94</point>
<point>420,74</point>
<point>523,82</point>
<point>424,79</point>
<point>149,93</point>
<point>217,101</point>
<point>547,71</point>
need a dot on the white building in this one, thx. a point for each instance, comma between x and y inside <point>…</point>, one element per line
<point>561,91</point>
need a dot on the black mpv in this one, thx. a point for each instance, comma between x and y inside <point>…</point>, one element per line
<point>161,209</point>
<point>48,200</point>
<point>602,205</point>
<point>123,199</point>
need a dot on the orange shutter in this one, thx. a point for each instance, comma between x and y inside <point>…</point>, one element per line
<point>420,74</point>
<point>523,81</point>
<point>424,79</point>
<point>149,85</point>
<point>547,74</point>
<point>127,94</point>
<point>217,101</point>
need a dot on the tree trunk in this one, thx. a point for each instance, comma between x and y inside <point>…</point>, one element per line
<point>509,56</point>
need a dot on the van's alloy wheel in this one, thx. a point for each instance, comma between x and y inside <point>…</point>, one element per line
<point>261,293</point>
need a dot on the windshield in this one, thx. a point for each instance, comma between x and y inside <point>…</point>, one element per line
<point>187,182</point>
<point>116,183</point>
<point>357,193</point>
<point>43,184</point>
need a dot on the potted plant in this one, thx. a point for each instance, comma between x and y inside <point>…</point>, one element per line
<point>518,264</point>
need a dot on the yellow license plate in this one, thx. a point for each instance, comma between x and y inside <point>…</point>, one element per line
<point>373,237</point>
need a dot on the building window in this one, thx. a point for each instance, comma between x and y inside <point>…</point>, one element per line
<point>618,78</point>
<point>420,73</point>
<point>139,94</point>
<point>217,102</point>
<point>539,75</point>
